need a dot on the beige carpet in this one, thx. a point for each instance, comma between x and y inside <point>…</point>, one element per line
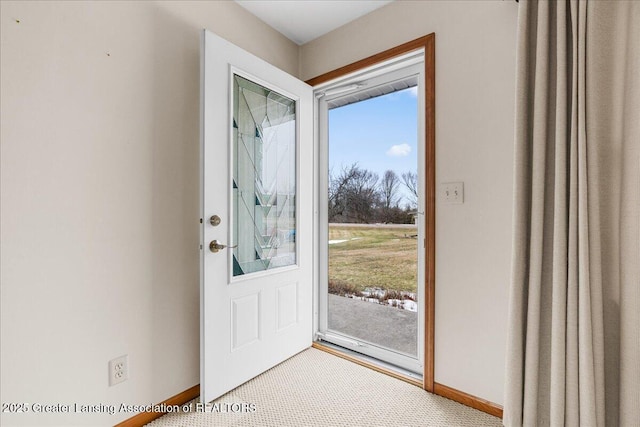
<point>315,388</point>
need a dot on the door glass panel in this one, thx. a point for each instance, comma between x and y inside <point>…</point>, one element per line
<point>372,209</point>
<point>264,178</point>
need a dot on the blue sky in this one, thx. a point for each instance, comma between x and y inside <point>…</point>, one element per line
<point>380,133</point>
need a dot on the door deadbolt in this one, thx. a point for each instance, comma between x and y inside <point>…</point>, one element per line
<point>215,220</point>
<point>216,246</point>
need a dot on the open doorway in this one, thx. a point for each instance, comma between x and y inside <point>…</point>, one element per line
<point>376,209</point>
<point>372,210</point>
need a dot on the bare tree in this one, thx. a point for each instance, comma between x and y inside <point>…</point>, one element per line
<point>352,195</point>
<point>410,180</point>
<point>389,190</point>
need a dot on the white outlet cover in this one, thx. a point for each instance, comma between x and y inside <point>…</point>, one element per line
<point>453,193</point>
<point>118,370</point>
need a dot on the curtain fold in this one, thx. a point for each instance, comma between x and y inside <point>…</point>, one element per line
<point>573,355</point>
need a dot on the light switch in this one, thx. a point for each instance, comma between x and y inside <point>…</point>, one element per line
<point>453,193</point>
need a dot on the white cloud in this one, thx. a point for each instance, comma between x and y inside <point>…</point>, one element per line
<point>413,91</point>
<point>400,150</point>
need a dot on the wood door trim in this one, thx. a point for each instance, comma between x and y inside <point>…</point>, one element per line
<point>430,210</point>
<point>419,43</point>
<point>427,43</point>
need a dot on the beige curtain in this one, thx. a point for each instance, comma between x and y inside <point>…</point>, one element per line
<point>573,356</point>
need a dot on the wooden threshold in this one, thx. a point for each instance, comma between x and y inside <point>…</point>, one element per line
<point>468,400</point>
<point>146,417</point>
<point>366,364</point>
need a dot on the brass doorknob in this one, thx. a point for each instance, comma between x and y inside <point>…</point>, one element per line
<point>216,246</point>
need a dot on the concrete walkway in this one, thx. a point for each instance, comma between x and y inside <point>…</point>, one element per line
<point>375,323</point>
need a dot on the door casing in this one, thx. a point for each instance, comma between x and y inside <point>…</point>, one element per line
<point>425,44</point>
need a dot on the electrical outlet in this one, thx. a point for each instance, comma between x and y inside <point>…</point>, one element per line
<point>118,370</point>
<point>453,192</point>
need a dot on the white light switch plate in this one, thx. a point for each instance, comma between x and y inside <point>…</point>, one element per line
<point>453,193</point>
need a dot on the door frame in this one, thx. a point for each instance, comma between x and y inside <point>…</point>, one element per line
<point>426,43</point>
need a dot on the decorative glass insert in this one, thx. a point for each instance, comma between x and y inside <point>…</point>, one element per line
<point>264,178</point>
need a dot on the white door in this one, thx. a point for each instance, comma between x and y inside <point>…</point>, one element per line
<point>257,216</point>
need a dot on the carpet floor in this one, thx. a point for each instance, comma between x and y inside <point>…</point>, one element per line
<point>315,388</point>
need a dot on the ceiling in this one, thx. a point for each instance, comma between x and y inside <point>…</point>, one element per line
<point>304,20</point>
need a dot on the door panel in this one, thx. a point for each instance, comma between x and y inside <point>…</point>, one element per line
<point>245,323</point>
<point>256,293</point>
<point>286,306</point>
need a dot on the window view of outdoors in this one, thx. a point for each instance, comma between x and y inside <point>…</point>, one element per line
<point>372,208</point>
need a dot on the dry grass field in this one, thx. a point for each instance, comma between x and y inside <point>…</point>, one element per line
<point>373,256</point>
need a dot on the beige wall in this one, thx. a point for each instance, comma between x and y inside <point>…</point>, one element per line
<point>99,169</point>
<point>475,93</point>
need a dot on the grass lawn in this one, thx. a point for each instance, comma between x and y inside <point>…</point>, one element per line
<point>373,256</point>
